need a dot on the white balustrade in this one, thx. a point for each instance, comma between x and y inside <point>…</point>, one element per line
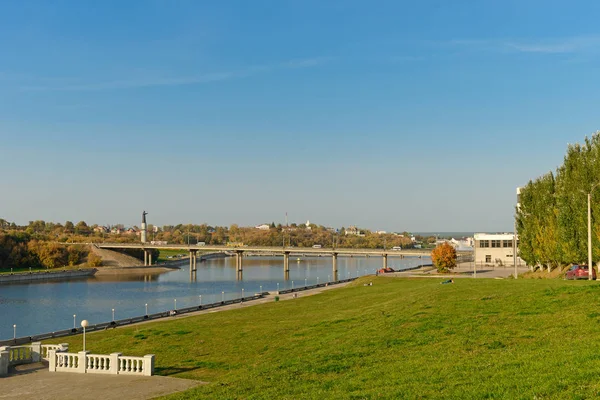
<point>67,362</point>
<point>98,363</point>
<point>114,363</point>
<point>62,347</point>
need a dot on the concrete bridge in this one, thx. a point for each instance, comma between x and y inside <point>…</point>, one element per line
<point>239,252</point>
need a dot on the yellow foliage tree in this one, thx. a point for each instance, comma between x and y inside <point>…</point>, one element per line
<point>444,257</point>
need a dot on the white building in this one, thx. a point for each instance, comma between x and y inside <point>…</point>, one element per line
<point>263,227</point>
<point>495,249</point>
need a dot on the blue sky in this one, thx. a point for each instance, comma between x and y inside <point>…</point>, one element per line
<point>394,115</point>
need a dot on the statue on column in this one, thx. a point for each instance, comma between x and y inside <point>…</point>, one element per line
<point>143,233</point>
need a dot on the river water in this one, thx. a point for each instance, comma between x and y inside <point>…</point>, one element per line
<point>49,306</point>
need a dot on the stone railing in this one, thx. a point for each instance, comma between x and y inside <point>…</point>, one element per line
<point>114,363</point>
<point>62,347</point>
<point>11,356</point>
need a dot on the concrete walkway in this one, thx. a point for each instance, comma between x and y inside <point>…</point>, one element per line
<point>464,270</point>
<point>34,381</point>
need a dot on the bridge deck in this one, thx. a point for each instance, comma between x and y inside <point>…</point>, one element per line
<point>266,249</point>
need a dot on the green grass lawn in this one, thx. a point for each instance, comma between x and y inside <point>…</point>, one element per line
<point>400,338</point>
<point>164,253</point>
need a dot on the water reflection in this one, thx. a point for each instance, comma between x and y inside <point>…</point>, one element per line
<point>126,278</point>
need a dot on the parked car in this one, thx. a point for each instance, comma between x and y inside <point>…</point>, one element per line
<point>579,272</point>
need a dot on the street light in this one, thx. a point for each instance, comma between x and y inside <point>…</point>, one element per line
<point>589,221</point>
<point>74,325</point>
<point>113,314</point>
<point>84,324</point>
<point>175,301</point>
<point>146,309</point>
<point>15,332</point>
<point>590,273</point>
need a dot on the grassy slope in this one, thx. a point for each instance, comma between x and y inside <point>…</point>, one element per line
<point>399,338</point>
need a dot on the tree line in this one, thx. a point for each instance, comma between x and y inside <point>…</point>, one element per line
<point>552,216</point>
<point>46,244</point>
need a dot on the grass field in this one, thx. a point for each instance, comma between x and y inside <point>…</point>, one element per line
<point>164,253</point>
<point>400,338</point>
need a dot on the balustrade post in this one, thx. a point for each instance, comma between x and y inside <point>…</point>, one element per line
<point>148,365</point>
<point>36,352</point>
<point>114,363</point>
<point>82,362</point>
<point>52,360</point>
<point>4,361</point>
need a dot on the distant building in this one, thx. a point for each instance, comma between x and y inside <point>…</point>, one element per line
<point>102,229</point>
<point>380,232</point>
<point>495,249</point>
<point>352,231</point>
<point>263,227</point>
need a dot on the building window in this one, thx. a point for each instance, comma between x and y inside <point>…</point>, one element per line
<point>488,258</point>
<point>495,243</point>
<point>507,243</point>
<point>484,243</point>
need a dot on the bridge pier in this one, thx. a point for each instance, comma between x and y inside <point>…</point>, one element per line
<point>147,257</point>
<point>334,271</point>
<point>193,260</point>
<point>286,262</point>
<point>385,264</point>
<point>238,261</point>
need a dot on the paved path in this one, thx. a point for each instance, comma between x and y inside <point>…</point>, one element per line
<point>464,270</point>
<point>36,382</point>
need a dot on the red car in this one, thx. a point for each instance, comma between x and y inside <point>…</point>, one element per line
<point>579,272</point>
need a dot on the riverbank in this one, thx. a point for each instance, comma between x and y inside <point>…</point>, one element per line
<point>47,275</point>
<point>138,270</point>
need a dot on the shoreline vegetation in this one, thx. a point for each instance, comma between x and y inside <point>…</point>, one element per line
<point>50,245</point>
<point>396,338</point>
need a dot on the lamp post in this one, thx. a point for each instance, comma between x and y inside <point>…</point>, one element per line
<point>113,314</point>
<point>200,298</point>
<point>84,324</point>
<point>589,221</point>
<point>589,229</point>
<point>74,324</point>
<point>175,304</point>
<point>146,309</point>
<point>15,332</point>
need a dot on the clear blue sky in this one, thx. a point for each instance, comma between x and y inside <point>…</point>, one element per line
<point>395,115</point>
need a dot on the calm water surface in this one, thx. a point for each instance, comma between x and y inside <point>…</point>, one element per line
<point>49,306</point>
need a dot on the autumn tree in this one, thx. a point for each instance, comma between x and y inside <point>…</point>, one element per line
<point>444,257</point>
